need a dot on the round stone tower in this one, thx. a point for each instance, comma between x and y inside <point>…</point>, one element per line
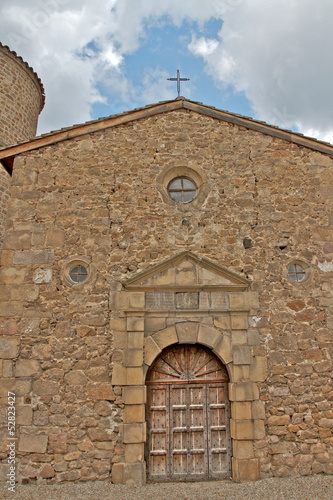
<point>21,98</point>
<point>21,101</point>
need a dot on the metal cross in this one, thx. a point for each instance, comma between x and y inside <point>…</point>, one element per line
<point>178,80</point>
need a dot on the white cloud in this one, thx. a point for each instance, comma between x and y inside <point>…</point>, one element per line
<point>277,53</point>
<point>203,46</point>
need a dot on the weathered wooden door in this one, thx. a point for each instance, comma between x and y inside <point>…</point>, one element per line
<point>188,416</point>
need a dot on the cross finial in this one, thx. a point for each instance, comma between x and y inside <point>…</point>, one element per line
<point>178,80</point>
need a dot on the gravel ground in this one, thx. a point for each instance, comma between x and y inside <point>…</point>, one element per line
<point>295,488</point>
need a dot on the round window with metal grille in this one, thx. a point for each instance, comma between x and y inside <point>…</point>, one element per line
<point>78,274</point>
<point>182,189</point>
<point>296,272</point>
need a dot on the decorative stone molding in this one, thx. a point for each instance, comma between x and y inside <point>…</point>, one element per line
<point>217,320</point>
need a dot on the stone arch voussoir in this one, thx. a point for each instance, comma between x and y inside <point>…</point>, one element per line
<point>189,332</point>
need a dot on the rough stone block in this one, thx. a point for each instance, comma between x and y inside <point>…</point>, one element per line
<point>24,415</point>
<point>76,377</point>
<point>43,276</point>
<point>243,391</point>
<point>135,340</point>
<point>26,368</point>
<point>135,324</point>
<point>118,301</point>
<point>240,373</point>
<point>237,301</point>
<point>9,347</point>
<point>11,309</point>
<point>253,337</point>
<point>45,388</point>
<point>134,453</point>
<point>101,391</point>
<point>133,357</point>
<point>55,238</point>
<point>187,300</point>
<point>120,340</point>
<point>239,321</point>
<point>241,355</point>
<point>259,429</point>
<point>20,386</point>
<point>275,420</point>
<point>258,369</point>
<point>134,433</point>
<point>117,473</point>
<point>135,395</point>
<point>33,257</point>
<point>242,429</point>
<point>119,375</point>
<point>166,337</point>
<point>154,325</point>
<point>239,337</point>
<point>7,368</point>
<point>58,443</point>
<point>12,275</point>
<point>137,300</point>
<point>118,324</point>
<point>223,321</point>
<point>219,301</point>
<point>245,470</point>
<point>6,257</point>
<point>135,376</point>
<point>223,349</point>
<point>134,474</point>
<point>187,332</point>
<point>47,472</point>
<point>251,300</point>
<point>243,450</point>
<point>32,443</point>
<point>204,300</point>
<point>134,414</point>
<point>241,410</point>
<point>208,336</point>
<point>151,350</point>
<point>258,410</point>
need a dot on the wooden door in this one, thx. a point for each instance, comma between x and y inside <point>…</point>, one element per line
<point>188,416</point>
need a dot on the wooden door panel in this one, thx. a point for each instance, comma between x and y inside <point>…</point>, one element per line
<point>179,466</point>
<point>197,466</point>
<point>188,417</point>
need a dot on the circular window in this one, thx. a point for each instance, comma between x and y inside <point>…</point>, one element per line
<point>296,272</point>
<point>182,189</point>
<point>77,270</point>
<point>78,274</point>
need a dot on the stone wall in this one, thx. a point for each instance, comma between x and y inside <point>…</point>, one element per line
<point>21,98</point>
<point>101,199</point>
<point>5,180</point>
<point>21,101</point>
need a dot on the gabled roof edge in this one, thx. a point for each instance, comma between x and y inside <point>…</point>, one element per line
<point>157,108</point>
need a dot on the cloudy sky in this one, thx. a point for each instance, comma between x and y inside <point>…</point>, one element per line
<point>269,59</point>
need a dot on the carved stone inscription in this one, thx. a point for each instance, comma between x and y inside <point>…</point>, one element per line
<point>160,300</point>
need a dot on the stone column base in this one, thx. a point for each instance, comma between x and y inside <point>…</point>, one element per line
<point>132,474</point>
<point>245,470</point>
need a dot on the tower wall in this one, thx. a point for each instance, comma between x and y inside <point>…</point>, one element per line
<point>21,101</point>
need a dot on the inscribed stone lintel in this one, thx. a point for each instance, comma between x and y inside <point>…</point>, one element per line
<point>160,300</point>
<point>164,300</point>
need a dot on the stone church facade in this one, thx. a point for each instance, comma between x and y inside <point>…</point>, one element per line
<point>166,297</point>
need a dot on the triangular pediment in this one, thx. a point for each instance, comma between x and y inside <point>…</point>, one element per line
<point>185,272</point>
<point>8,153</point>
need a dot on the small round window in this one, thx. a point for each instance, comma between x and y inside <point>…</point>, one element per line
<point>296,272</point>
<point>78,274</point>
<point>182,189</point>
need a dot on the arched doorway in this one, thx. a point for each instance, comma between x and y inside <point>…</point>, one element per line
<point>188,416</point>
